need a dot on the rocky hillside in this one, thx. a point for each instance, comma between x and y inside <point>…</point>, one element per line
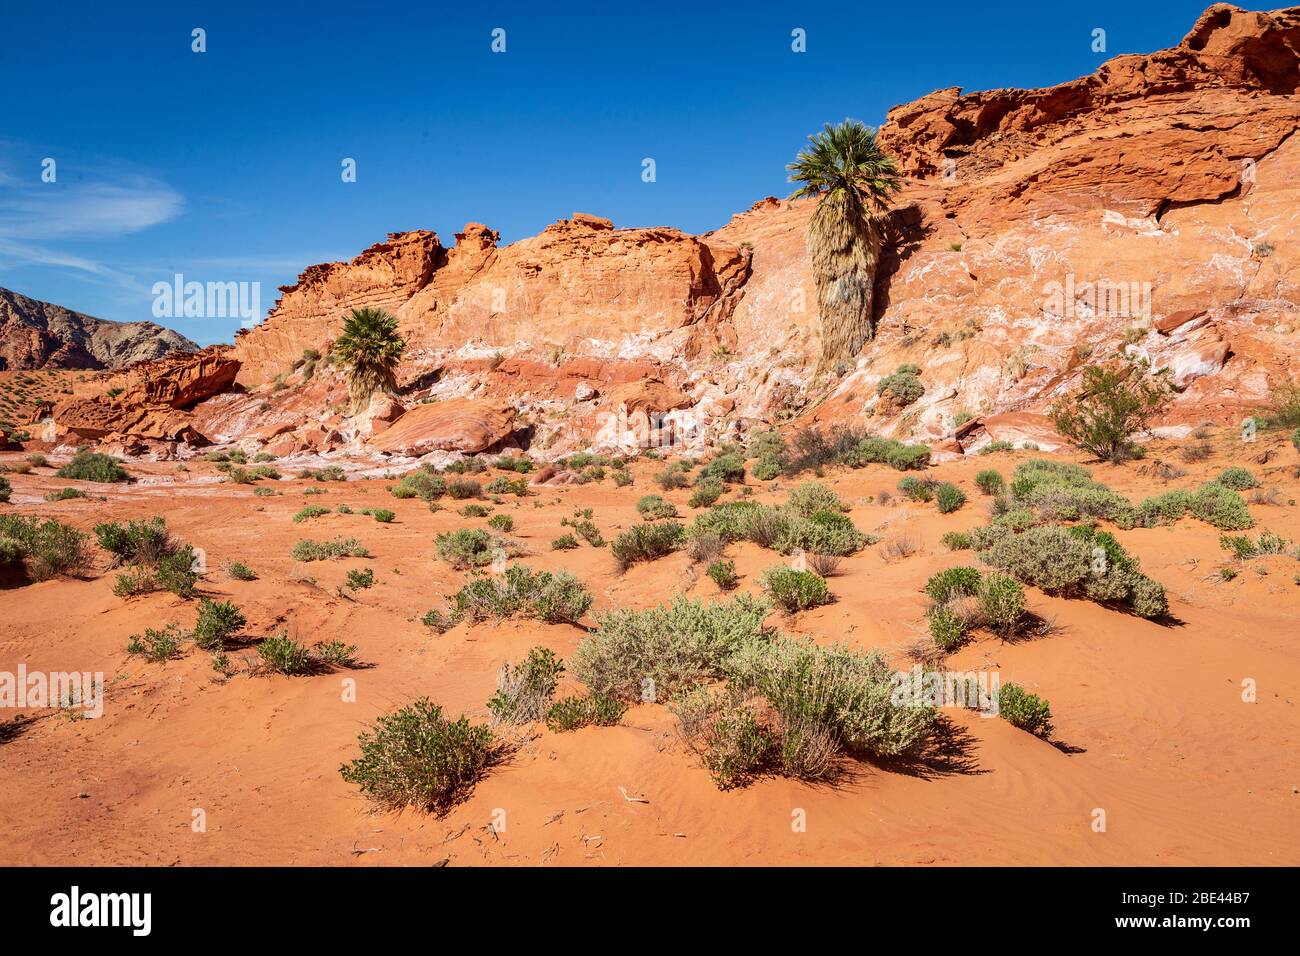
<point>39,335</point>
<point>1151,205</point>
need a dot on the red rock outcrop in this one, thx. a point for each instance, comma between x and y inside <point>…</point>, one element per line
<point>309,312</point>
<point>1152,206</point>
<point>154,401</point>
<point>458,424</point>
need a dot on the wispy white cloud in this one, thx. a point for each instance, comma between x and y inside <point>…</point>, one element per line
<point>38,220</point>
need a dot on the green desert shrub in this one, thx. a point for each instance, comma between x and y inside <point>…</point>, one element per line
<point>308,550</point>
<point>462,488</point>
<point>1220,506</point>
<point>645,542</point>
<point>217,621</point>
<point>516,463</point>
<point>989,481</point>
<point>948,497</point>
<point>1002,601</point>
<point>723,574</point>
<point>311,511</point>
<point>501,523</point>
<point>420,484</point>
<point>1046,556</point>
<point>46,549</point>
<point>674,476</point>
<point>843,695</point>
<point>903,385</point>
<point>1027,711</point>
<point>474,548</point>
<point>415,757</point>
<point>909,457</point>
<point>502,485</point>
<point>794,590</point>
<point>156,645</point>
<point>956,541</point>
<point>565,542</point>
<point>241,571</point>
<point>1114,404</point>
<point>1243,548</point>
<point>1238,479</point>
<point>359,580</point>
<point>824,532</point>
<point>1167,507</point>
<point>947,627</point>
<point>734,745</point>
<point>328,473</point>
<point>524,690</point>
<point>652,507</point>
<point>994,447</point>
<point>554,598</point>
<point>950,583</point>
<point>917,489</point>
<point>139,540</point>
<point>475,511</point>
<point>64,494</point>
<point>811,497</point>
<point>177,571</point>
<point>93,466</point>
<point>382,515</point>
<point>667,648</point>
<point>571,713</point>
<point>6,489</point>
<point>283,655</point>
<point>706,493</point>
<point>727,467</point>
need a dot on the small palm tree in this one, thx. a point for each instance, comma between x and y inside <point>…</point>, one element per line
<point>371,347</point>
<point>852,179</point>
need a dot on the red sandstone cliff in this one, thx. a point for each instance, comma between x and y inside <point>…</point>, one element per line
<point>1152,204</point>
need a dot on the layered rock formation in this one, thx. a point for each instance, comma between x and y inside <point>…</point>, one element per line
<point>1149,206</point>
<point>38,335</point>
<point>153,403</point>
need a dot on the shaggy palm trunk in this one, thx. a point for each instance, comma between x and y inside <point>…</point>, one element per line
<point>844,245</point>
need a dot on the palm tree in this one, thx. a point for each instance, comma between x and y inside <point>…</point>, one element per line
<point>853,180</point>
<point>371,347</point>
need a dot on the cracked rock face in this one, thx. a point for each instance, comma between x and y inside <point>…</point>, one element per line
<point>1151,205</point>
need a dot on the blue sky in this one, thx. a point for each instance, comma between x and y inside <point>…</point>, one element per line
<point>225,165</point>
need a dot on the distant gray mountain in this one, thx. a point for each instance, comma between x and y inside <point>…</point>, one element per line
<point>36,334</point>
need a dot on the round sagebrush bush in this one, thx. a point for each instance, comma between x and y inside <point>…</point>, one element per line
<point>1025,710</point>
<point>1238,479</point>
<point>989,481</point>
<point>948,497</point>
<point>916,489</point>
<point>909,457</point>
<point>956,541</point>
<point>1002,601</point>
<point>723,574</point>
<point>217,621</point>
<point>946,627</point>
<point>1219,505</point>
<point>950,583</point>
<point>652,507</point>
<point>795,590</point>
<point>1046,556</point>
<point>813,496</point>
<point>415,757</point>
<point>1147,597</point>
